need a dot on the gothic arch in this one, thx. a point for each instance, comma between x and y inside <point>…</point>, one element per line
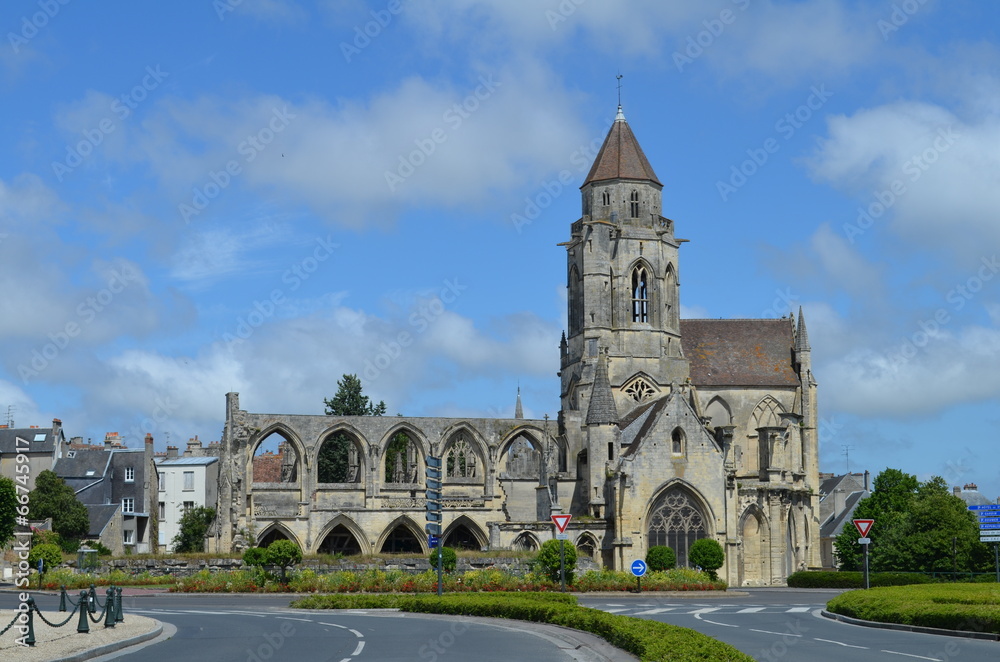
<point>300,462</point>
<point>520,453</point>
<point>641,304</point>
<point>640,387</point>
<point>678,441</point>
<point>475,538</point>
<point>526,541</point>
<point>464,455</point>
<point>755,548</point>
<point>404,536</point>
<point>671,308</point>
<point>575,302</point>
<point>719,411</point>
<point>677,516</point>
<point>275,531</point>
<point>351,465</point>
<point>587,544</point>
<point>350,527</point>
<point>765,414</point>
<point>412,466</point>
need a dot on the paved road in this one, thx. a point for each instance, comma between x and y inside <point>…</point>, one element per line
<point>262,628</point>
<point>784,624</point>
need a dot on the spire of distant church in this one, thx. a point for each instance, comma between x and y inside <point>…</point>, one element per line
<point>801,335</point>
<point>621,157</point>
<point>602,409</point>
<point>518,412</point>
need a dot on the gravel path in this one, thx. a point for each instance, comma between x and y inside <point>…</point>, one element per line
<point>59,643</point>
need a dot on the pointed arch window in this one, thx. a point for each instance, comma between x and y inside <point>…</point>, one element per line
<point>677,441</point>
<point>606,198</point>
<point>633,205</point>
<point>640,295</point>
<point>676,521</point>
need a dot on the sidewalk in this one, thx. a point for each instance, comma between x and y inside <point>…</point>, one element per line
<point>65,643</point>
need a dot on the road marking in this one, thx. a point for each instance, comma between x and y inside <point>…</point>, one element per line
<point>357,651</point>
<point>705,610</point>
<point>251,613</point>
<point>751,610</point>
<point>798,610</point>
<point>780,634</point>
<point>911,655</point>
<point>289,618</point>
<point>615,611</point>
<point>839,643</point>
<point>653,611</point>
<point>725,625</point>
<point>209,613</point>
<point>342,627</point>
<point>358,635</point>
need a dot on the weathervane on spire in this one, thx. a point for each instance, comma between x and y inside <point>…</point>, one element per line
<point>620,116</point>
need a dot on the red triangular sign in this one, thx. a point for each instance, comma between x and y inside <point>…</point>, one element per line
<point>864,526</point>
<point>561,522</point>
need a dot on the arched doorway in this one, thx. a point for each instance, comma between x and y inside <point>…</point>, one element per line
<point>676,521</point>
<point>340,540</point>
<point>401,540</point>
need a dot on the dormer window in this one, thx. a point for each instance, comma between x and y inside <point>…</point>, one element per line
<point>633,205</point>
<point>640,295</point>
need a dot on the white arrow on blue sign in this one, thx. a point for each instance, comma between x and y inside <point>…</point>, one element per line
<point>989,519</point>
<point>638,567</point>
<point>986,507</point>
<point>989,526</point>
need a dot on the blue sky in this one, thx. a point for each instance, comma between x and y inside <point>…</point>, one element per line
<point>260,196</point>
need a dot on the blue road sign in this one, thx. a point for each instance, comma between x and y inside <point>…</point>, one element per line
<point>989,519</point>
<point>986,507</point>
<point>638,567</point>
<point>432,541</point>
<point>989,526</point>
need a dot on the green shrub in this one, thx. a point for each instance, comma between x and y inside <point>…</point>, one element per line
<point>47,552</point>
<point>449,559</point>
<point>953,606</point>
<point>255,556</point>
<point>548,563</point>
<point>283,554</point>
<point>707,554</point>
<point>847,579</point>
<point>660,557</point>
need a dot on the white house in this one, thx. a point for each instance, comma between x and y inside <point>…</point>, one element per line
<point>185,482</point>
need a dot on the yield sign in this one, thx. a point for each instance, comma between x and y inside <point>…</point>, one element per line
<point>561,522</point>
<point>864,526</point>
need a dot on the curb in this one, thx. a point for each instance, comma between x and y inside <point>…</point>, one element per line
<point>113,646</point>
<point>989,636</point>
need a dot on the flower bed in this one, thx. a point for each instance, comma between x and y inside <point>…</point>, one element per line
<point>71,580</point>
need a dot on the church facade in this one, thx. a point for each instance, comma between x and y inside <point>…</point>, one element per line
<point>670,430</point>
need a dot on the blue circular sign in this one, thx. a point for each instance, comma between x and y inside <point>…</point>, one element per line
<point>638,567</point>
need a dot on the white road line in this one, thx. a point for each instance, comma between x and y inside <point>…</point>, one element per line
<point>840,643</point>
<point>797,610</point>
<point>251,613</point>
<point>346,659</point>
<point>358,635</point>
<point>357,651</point>
<point>780,634</point>
<point>653,611</point>
<point>911,655</point>
<point>705,610</point>
<point>725,625</point>
<point>615,611</point>
<point>751,610</point>
<point>289,618</point>
<point>209,613</point>
<point>342,627</point>
<point>614,605</point>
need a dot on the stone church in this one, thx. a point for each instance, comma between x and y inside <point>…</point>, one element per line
<point>670,429</point>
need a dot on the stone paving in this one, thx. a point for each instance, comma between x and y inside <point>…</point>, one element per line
<point>52,644</point>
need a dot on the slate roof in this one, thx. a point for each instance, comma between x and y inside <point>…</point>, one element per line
<point>739,352</point>
<point>621,157</point>
<point>602,409</point>
<point>832,527</point>
<point>76,464</point>
<point>187,461</point>
<point>638,421</point>
<point>9,445</point>
<point>99,517</point>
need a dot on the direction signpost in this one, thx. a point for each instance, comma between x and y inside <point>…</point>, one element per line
<point>638,569</point>
<point>864,526</point>
<point>989,529</point>
<point>562,521</point>
<point>434,516</point>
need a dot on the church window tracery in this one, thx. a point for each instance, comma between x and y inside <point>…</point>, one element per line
<point>639,390</point>
<point>676,521</point>
<point>461,460</point>
<point>640,295</point>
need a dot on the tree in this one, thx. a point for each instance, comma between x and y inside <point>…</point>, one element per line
<point>548,559</point>
<point>50,554</point>
<point>350,401</point>
<point>892,493</point>
<point>660,558</point>
<point>333,460</point>
<point>284,554</point>
<point>708,555</point>
<point>8,510</point>
<point>194,526</point>
<point>449,559</point>
<point>255,556</point>
<point>52,497</point>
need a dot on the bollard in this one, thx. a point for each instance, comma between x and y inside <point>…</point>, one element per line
<point>62,597</point>
<point>119,617</point>
<point>30,639</point>
<point>92,600</point>
<point>83,626</point>
<point>109,609</point>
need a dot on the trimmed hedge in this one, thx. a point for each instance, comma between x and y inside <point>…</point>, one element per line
<point>958,606</point>
<point>835,579</point>
<point>652,641</point>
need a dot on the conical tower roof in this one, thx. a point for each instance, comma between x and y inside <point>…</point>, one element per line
<point>518,411</point>
<point>621,157</point>
<point>801,335</point>
<point>602,409</point>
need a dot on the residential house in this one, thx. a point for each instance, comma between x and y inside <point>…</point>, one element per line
<point>839,496</point>
<point>185,482</point>
<point>41,446</point>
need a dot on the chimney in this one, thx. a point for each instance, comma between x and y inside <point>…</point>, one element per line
<point>171,452</point>
<point>970,487</point>
<point>956,490</point>
<point>868,475</point>
<point>839,501</point>
<point>149,438</point>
